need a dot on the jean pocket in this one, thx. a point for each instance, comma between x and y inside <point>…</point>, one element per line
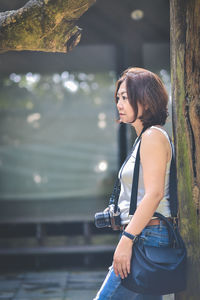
<point>164,243</point>
<point>155,236</point>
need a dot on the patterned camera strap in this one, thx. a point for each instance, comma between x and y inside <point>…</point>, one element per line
<point>117,186</point>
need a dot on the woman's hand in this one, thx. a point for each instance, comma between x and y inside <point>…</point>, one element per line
<point>122,257</point>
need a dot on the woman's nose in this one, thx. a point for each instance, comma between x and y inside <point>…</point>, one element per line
<point>119,104</point>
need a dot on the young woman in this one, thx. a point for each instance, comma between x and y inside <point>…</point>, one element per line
<point>141,100</point>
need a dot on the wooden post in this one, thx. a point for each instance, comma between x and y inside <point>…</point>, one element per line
<point>185,72</point>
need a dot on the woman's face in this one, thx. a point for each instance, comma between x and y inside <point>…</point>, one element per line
<point>125,110</point>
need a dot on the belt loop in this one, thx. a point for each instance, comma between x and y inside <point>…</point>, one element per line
<point>141,241</point>
<point>161,225</point>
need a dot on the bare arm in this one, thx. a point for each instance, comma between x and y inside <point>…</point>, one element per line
<point>153,153</point>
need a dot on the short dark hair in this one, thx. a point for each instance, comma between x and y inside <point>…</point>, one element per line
<point>146,88</point>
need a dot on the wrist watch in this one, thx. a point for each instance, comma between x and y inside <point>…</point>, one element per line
<point>130,236</point>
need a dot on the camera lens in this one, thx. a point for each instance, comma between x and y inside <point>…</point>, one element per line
<point>102,219</point>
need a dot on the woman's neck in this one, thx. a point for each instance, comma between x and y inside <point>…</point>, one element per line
<point>138,128</point>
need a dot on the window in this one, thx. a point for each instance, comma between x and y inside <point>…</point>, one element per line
<point>58,135</point>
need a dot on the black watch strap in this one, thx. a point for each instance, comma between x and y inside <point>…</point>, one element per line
<point>130,236</point>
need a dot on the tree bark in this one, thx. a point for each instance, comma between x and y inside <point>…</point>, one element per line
<point>185,65</point>
<point>42,25</point>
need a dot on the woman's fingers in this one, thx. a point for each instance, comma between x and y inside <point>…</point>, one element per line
<point>122,257</point>
<point>124,270</point>
<point>121,269</point>
<point>115,269</point>
<point>128,265</point>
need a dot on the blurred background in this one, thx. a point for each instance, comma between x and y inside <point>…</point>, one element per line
<point>60,147</point>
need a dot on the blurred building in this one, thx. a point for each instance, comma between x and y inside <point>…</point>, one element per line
<point>60,147</point>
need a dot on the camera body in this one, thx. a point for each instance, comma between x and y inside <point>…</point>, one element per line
<point>108,218</point>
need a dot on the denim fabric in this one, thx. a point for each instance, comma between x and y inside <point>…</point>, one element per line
<point>112,289</point>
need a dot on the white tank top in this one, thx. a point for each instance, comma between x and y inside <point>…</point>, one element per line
<point>126,175</point>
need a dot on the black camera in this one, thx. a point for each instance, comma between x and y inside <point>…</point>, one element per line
<point>108,218</point>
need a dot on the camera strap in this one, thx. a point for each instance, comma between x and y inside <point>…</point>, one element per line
<point>117,186</point>
<point>173,198</point>
<point>115,194</point>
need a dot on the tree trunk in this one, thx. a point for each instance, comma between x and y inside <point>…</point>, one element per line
<point>185,65</point>
<point>42,25</point>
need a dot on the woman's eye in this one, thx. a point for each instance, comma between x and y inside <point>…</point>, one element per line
<point>121,97</point>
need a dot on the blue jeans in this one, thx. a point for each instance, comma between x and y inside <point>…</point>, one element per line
<point>112,289</point>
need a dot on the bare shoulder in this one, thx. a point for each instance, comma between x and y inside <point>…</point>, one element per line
<point>155,143</point>
<point>152,135</point>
